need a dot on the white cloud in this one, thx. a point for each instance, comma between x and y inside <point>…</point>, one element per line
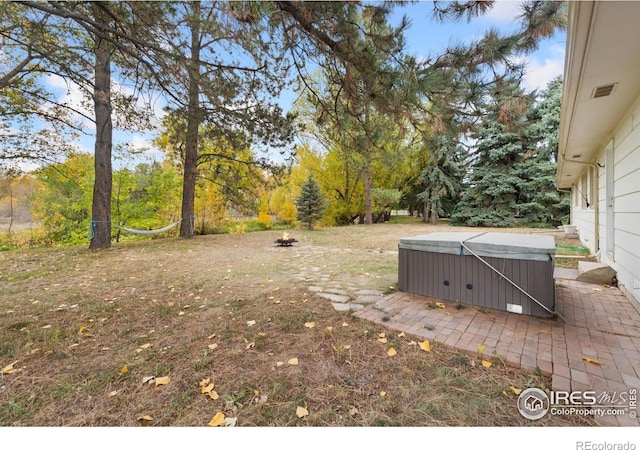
<point>504,11</point>
<point>544,66</point>
<point>539,73</point>
<point>69,94</point>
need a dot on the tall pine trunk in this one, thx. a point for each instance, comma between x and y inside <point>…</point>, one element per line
<point>194,118</point>
<point>101,204</point>
<point>368,209</point>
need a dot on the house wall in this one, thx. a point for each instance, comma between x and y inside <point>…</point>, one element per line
<point>624,149</point>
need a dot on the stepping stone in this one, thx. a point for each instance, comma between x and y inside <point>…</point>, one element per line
<point>368,298</point>
<point>346,306</point>
<point>368,292</point>
<point>315,288</point>
<point>336,291</point>
<point>334,297</point>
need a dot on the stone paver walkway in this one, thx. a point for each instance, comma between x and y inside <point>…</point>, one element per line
<point>603,325</point>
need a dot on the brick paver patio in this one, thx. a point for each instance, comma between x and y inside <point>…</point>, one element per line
<point>602,324</point>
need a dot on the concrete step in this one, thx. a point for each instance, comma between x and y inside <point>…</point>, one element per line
<point>595,272</point>
<point>563,273</point>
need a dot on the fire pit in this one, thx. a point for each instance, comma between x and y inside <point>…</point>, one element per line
<point>285,240</point>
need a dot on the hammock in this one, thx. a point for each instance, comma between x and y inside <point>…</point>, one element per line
<point>158,231</point>
<point>93,223</point>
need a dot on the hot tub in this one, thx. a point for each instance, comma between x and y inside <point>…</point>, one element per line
<point>505,271</point>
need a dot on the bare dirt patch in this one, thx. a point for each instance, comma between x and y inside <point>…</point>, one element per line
<point>85,328</point>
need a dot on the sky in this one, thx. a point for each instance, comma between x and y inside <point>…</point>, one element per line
<point>427,37</point>
<point>424,38</point>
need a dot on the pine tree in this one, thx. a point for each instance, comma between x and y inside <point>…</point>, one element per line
<point>310,203</point>
<point>494,194</point>
<point>541,201</point>
<point>441,178</point>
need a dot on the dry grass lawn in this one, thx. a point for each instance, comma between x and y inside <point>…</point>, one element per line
<point>84,329</point>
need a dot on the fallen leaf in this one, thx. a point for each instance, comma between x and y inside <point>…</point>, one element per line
<point>480,348</point>
<point>251,323</point>
<point>591,361</point>
<point>206,389</point>
<point>486,364</point>
<point>279,363</point>
<point>112,394</point>
<point>9,369</point>
<point>301,411</point>
<point>391,351</point>
<point>46,326</point>
<point>250,345</point>
<point>345,324</point>
<point>124,370</point>
<point>383,393</point>
<point>383,340</point>
<point>515,390</point>
<point>425,345</point>
<point>412,343</point>
<point>440,305</point>
<point>181,313</point>
<point>382,335</point>
<point>293,362</point>
<point>211,336</point>
<point>401,335</point>
<point>310,324</point>
<point>162,381</point>
<point>82,329</point>
<point>143,346</point>
<point>146,380</point>
<point>213,346</point>
<point>205,381</point>
<point>170,304</point>
<point>214,395</point>
<point>217,421</point>
<point>277,302</point>
<point>145,418</point>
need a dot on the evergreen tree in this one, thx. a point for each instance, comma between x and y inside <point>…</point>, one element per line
<point>494,194</point>
<point>514,165</point>
<point>441,178</point>
<point>541,201</point>
<point>310,203</point>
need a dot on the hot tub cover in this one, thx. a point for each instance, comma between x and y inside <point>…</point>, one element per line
<point>533,247</point>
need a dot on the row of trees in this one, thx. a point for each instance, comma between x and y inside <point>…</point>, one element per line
<point>504,174</point>
<point>509,175</point>
<point>220,66</point>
